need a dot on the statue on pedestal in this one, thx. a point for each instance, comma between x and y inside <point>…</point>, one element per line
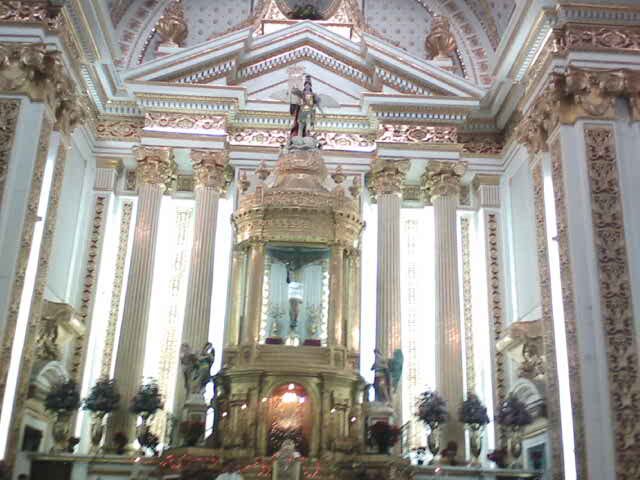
<point>286,465</point>
<point>387,375</point>
<point>196,368</point>
<point>303,103</point>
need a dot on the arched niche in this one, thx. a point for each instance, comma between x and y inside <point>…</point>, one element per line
<point>51,373</point>
<point>277,385</point>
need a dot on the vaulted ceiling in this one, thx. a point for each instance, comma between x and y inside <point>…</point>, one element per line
<point>476,24</point>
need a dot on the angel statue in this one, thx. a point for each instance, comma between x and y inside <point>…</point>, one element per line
<point>381,378</point>
<point>387,375</point>
<point>303,104</point>
<point>196,368</point>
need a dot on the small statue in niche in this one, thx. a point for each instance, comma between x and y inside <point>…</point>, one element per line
<point>196,368</point>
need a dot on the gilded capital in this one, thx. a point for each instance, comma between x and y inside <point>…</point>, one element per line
<point>211,169</point>
<point>386,176</point>
<point>155,166</point>
<point>172,27</point>
<point>443,178</point>
<point>32,70</point>
<point>440,42</point>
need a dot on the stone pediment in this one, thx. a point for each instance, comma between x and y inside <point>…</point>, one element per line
<point>241,76</point>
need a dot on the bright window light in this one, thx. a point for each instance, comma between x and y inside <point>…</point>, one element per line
<point>369,268</point>
<point>562,359</point>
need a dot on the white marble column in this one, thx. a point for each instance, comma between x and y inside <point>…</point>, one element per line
<point>155,171</point>
<point>210,184</point>
<point>208,168</point>
<point>442,182</point>
<point>386,184</point>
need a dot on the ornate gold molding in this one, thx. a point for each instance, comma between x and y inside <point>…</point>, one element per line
<point>616,303</point>
<point>443,178</point>
<point>30,69</point>
<point>590,37</point>
<point>35,309</point>
<point>155,165</point>
<point>481,143</point>
<point>126,129</point>
<point>172,26</point>
<point>90,281</point>
<point>23,254</point>
<point>386,176</point>
<point>548,335</point>
<point>116,289</point>
<point>398,133</point>
<point>39,12</point>
<point>9,111</point>
<point>577,93</point>
<point>191,121</point>
<point>495,310</point>
<point>569,309</point>
<point>211,169</point>
<point>467,303</point>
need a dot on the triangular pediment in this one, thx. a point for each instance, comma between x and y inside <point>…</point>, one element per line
<point>249,71</point>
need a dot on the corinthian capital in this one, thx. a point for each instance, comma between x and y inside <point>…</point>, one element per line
<point>386,176</point>
<point>40,74</point>
<point>595,91</point>
<point>155,166</point>
<point>211,169</point>
<point>443,178</point>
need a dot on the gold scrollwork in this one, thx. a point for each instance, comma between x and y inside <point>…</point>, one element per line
<point>615,297</point>
<point>548,336</point>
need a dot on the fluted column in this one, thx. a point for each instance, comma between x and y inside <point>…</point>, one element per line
<point>155,171</point>
<point>386,184</point>
<point>442,182</point>
<point>210,183</point>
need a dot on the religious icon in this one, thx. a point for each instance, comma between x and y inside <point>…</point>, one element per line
<point>303,103</point>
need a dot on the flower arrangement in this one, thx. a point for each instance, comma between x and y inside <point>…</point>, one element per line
<point>384,435</point>
<point>120,441</point>
<point>63,398</point>
<point>432,409</point>
<point>473,413</point>
<point>305,12</point>
<point>147,400</point>
<point>191,431</point>
<point>103,397</point>
<point>513,413</point>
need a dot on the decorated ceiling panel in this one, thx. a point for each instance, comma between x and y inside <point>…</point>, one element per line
<point>475,24</point>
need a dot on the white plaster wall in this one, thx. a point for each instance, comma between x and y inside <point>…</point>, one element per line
<point>523,244</point>
<point>69,244</point>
